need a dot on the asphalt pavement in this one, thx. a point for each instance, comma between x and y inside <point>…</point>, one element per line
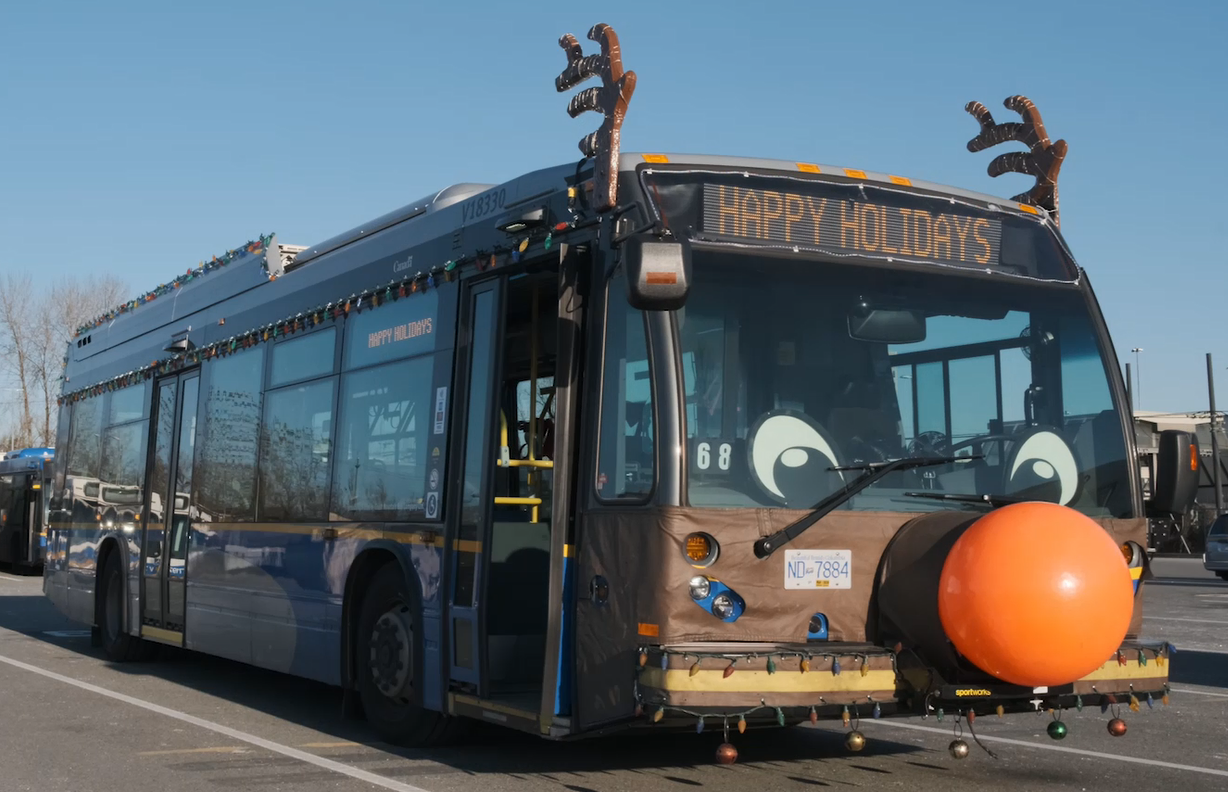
<point>74,722</point>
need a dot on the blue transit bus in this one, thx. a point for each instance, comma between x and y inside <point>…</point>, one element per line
<point>23,507</point>
<point>647,440</point>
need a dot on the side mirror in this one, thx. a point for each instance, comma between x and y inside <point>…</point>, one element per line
<point>658,272</point>
<point>1176,476</point>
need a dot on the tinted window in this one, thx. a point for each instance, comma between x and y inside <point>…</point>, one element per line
<point>123,460</point>
<point>397,330</point>
<point>128,404</point>
<point>626,454</point>
<point>382,442</point>
<point>296,451</point>
<point>478,457</point>
<point>303,357</point>
<point>226,465</point>
<point>85,439</point>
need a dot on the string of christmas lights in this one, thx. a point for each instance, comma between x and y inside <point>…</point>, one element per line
<point>252,248</point>
<point>332,311</point>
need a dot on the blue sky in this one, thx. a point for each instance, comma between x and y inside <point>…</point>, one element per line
<point>140,137</point>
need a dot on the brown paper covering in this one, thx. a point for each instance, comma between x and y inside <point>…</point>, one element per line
<point>640,553</point>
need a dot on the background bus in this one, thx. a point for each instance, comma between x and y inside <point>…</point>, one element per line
<point>24,476</point>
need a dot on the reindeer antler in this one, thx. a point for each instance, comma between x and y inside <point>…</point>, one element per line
<point>610,98</point>
<point>1043,160</point>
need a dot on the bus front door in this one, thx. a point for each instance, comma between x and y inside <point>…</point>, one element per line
<point>164,545</point>
<point>479,346</point>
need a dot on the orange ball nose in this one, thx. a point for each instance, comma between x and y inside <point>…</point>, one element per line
<point>1036,594</point>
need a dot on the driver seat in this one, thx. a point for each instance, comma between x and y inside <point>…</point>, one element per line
<point>870,426</point>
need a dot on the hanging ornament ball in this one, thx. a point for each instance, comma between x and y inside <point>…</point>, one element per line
<point>855,741</point>
<point>1057,730</point>
<point>726,753</point>
<point>1006,608</point>
<point>1117,727</point>
<point>958,749</point>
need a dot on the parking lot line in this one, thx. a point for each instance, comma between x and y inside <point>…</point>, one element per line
<point>234,734</point>
<point>176,751</point>
<point>1198,692</point>
<point>1060,749</point>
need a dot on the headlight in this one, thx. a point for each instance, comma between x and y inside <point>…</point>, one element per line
<point>700,588</point>
<point>722,606</point>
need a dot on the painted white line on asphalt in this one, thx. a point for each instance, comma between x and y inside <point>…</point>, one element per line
<point>178,751</point>
<point>1198,692</point>
<point>1199,621</point>
<point>234,734</point>
<point>1061,749</point>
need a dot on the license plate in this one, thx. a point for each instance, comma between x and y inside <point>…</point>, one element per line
<point>818,569</point>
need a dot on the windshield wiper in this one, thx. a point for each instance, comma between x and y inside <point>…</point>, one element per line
<point>959,497</point>
<point>874,471</point>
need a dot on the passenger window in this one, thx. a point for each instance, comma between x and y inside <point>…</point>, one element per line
<point>123,462</point>
<point>303,358</point>
<point>230,423</point>
<point>128,404</point>
<point>627,451</point>
<point>382,445</point>
<point>85,443</point>
<point>296,451</point>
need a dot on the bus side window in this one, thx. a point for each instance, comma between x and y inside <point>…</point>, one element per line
<point>627,451</point>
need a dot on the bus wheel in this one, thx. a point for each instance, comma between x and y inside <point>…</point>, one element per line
<point>388,664</point>
<point>116,644</point>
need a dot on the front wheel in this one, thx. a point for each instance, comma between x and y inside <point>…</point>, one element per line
<point>118,645</point>
<point>389,661</point>
<point>1222,574</point>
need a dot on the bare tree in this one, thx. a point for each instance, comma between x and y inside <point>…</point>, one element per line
<point>16,305</point>
<point>34,336</point>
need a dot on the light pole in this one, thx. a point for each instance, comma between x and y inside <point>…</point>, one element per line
<point>1138,378</point>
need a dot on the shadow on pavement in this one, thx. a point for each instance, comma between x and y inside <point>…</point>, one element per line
<point>1190,667</point>
<point>487,749</point>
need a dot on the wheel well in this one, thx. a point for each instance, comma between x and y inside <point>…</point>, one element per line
<point>108,547</point>
<point>361,571</point>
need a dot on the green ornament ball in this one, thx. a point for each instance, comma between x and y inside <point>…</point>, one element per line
<point>1057,730</point>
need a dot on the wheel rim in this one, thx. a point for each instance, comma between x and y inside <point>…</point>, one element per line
<point>390,657</point>
<point>112,609</point>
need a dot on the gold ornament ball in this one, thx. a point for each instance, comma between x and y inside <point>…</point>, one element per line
<point>1117,727</point>
<point>958,749</point>
<point>855,741</point>
<point>726,754</point>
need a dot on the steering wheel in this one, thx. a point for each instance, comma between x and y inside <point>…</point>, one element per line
<point>930,443</point>
<point>862,450</point>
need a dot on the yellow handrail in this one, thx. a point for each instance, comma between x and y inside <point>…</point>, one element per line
<point>502,501</point>
<point>531,463</point>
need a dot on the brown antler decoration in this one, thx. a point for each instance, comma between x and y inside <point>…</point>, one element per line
<point>610,98</point>
<point>1043,160</point>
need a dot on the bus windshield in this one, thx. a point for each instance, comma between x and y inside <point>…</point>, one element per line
<point>794,368</point>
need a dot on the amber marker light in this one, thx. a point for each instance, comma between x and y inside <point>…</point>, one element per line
<point>701,549</point>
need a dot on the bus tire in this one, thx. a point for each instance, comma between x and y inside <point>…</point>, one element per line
<point>388,660</point>
<point>116,644</point>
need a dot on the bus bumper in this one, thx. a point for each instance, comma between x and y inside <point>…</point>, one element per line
<point>789,683</point>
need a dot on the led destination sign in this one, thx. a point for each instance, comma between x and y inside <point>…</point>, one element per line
<point>853,227</point>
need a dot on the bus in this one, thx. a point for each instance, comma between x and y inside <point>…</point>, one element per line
<point>23,507</point>
<point>643,440</point>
